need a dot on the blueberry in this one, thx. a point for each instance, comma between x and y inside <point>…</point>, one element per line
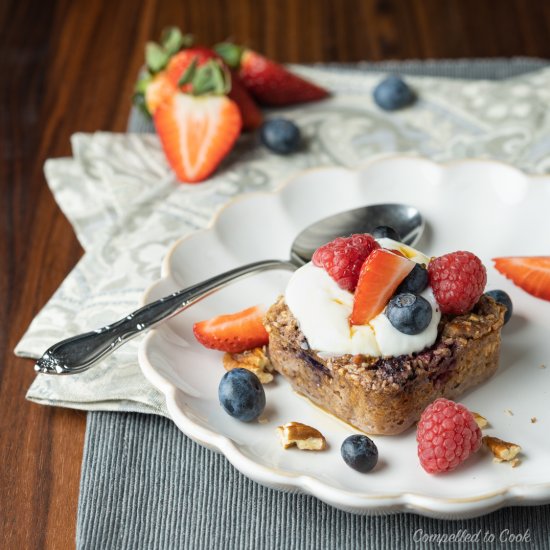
<point>385,232</point>
<point>280,136</point>
<point>502,298</point>
<point>360,453</point>
<point>241,394</point>
<point>409,313</point>
<point>393,93</point>
<point>416,281</point>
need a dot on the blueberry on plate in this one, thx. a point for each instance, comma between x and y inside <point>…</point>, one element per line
<point>386,232</point>
<point>503,298</point>
<point>416,281</point>
<point>280,135</point>
<point>241,395</point>
<point>393,93</point>
<point>409,313</point>
<point>359,452</point>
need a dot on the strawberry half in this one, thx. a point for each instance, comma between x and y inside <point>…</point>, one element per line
<point>158,90</point>
<point>178,65</point>
<point>381,274</point>
<point>166,64</point>
<point>531,273</point>
<point>269,82</point>
<point>233,333</point>
<point>197,131</point>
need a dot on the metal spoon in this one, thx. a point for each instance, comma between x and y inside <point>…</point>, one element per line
<point>81,352</point>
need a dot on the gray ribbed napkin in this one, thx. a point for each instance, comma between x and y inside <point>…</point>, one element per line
<point>146,485</point>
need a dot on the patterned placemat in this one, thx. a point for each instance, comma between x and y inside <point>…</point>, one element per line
<point>146,485</point>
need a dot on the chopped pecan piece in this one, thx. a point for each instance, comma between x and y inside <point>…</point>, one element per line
<point>304,437</point>
<point>254,360</point>
<point>481,421</point>
<point>503,451</point>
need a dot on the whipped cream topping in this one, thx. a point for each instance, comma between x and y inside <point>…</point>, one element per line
<point>322,309</point>
<point>406,250</point>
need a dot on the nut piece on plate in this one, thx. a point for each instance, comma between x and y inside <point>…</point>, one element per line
<point>304,437</point>
<point>481,421</point>
<point>503,451</point>
<point>254,360</point>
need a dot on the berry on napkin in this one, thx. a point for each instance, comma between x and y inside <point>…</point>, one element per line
<point>198,129</point>
<point>166,64</point>
<point>270,83</point>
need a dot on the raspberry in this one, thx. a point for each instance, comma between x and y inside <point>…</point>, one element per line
<point>457,280</point>
<point>343,257</point>
<point>447,435</point>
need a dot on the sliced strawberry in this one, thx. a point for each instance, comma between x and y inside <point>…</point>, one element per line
<point>233,333</point>
<point>531,273</point>
<point>159,90</point>
<point>381,274</point>
<point>269,83</point>
<point>168,62</point>
<point>197,131</point>
<point>179,63</point>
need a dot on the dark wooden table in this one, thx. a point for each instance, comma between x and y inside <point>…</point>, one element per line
<point>69,65</point>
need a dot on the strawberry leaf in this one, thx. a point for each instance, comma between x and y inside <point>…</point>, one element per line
<point>189,73</point>
<point>143,81</point>
<point>155,57</point>
<point>138,99</point>
<point>211,78</point>
<point>172,40</point>
<point>230,53</point>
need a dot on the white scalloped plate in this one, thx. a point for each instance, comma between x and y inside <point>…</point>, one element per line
<point>486,207</point>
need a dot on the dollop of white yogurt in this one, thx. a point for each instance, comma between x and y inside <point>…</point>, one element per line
<point>323,309</point>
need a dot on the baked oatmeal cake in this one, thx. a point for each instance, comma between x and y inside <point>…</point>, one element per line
<point>422,329</point>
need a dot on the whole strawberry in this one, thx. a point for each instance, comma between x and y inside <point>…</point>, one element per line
<point>343,257</point>
<point>269,82</point>
<point>447,435</point>
<point>457,280</point>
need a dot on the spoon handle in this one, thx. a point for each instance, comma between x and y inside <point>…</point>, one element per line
<point>81,352</point>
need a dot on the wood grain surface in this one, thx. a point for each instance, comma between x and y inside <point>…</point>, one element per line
<point>69,65</point>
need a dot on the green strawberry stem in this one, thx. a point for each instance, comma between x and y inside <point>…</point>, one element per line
<point>230,53</point>
<point>156,57</point>
<point>189,73</point>
<point>138,99</point>
<point>143,81</point>
<point>208,79</point>
<point>173,40</point>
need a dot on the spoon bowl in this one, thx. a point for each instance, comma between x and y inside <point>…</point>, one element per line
<point>406,220</point>
<point>81,352</point>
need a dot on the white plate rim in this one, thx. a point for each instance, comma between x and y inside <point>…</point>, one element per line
<point>370,504</point>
